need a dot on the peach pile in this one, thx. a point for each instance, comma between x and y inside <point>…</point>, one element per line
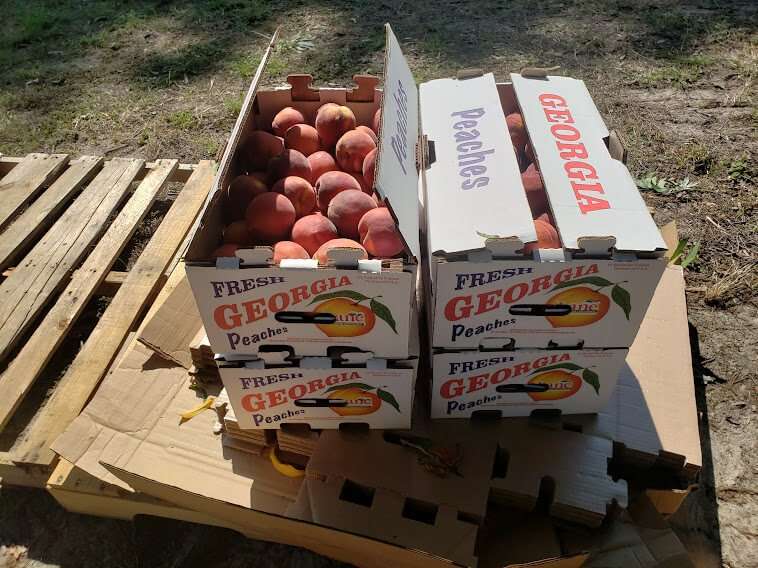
<point>547,234</point>
<point>308,187</point>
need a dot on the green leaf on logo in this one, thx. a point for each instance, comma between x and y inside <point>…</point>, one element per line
<point>362,386</point>
<point>594,280</point>
<point>384,313</point>
<point>357,296</point>
<point>622,298</point>
<point>591,378</point>
<point>569,366</point>
<point>388,398</point>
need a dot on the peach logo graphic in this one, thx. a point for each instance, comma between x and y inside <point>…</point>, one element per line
<point>352,317</point>
<point>562,380</point>
<point>587,305</point>
<point>360,399</point>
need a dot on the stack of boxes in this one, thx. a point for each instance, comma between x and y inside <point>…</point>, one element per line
<point>509,332</point>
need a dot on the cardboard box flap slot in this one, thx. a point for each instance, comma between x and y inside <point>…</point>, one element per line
<point>592,196</point>
<point>479,202</point>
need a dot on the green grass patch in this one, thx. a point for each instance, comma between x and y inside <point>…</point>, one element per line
<point>182,119</point>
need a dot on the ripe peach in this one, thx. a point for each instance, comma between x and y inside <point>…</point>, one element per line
<point>352,149</point>
<point>547,237</point>
<point>368,131</point>
<point>288,249</point>
<point>330,184</point>
<point>369,164</point>
<point>312,231</point>
<point>270,217</point>
<point>237,233</point>
<point>332,121</point>
<point>365,187</point>
<point>587,306</point>
<point>516,129</point>
<point>286,119</point>
<point>379,201</point>
<point>225,250</point>
<point>376,123</point>
<point>535,191</point>
<point>546,217</point>
<point>258,148</point>
<point>288,163</point>
<point>529,153</point>
<point>239,194</point>
<point>302,138</point>
<point>322,256</point>
<point>379,234</point>
<point>299,192</point>
<point>321,162</point>
<point>346,210</point>
<point>261,176</point>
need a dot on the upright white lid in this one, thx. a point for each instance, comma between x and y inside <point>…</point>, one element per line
<point>605,210</point>
<point>475,197</point>
<point>396,178</point>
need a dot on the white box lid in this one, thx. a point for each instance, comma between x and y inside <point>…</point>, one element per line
<point>605,210</point>
<point>475,194</point>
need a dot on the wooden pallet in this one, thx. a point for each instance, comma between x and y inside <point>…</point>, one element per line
<point>63,224</point>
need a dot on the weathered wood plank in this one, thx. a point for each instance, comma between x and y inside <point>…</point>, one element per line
<point>108,287</point>
<point>102,346</point>
<point>26,180</point>
<point>41,213</point>
<point>7,163</point>
<point>43,271</point>
<point>24,476</point>
<point>31,360</point>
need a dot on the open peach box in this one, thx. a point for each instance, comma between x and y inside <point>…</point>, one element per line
<point>482,290</point>
<point>248,303</point>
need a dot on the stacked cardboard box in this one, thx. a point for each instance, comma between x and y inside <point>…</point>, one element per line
<point>513,332</point>
<point>279,366</point>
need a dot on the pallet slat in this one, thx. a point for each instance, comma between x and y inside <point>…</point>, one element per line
<point>26,180</point>
<point>31,360</point>
<point>41,213</point>
<point>44,270</point>
<point>127,305</point>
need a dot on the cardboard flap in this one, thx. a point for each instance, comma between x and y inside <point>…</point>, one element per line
<point>396,168</point>
<point>590,194</point>
<point>475,178</point>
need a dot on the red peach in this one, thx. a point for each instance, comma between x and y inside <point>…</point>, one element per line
<point>346,210</point>
<point>516,129</point>
<point>270,217</point>
<point>302,138</point>
<point>225,250</point>
<point>379,201</point>
<point>288,163</point>
<point>547,237</point>
<point>286,119</point>
<point>379,234</point>
<point>237,233</point>
<point>332,183</point>
<point>312,231</point>
<point>321,162</point>
<point>368,131</point>
<point>288,249</point>
<point>322,253</point>
<point>529,153</point>
<point>332,121</point>
<point>239,194</point>
<point>352,149</point>
<point>535,191</point>
<point>369,164</point>
<point>258,148</point>
<point>376,123</point>
<point>299,192</point>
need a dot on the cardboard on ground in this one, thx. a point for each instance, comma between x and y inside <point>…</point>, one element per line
<point>131,435</point>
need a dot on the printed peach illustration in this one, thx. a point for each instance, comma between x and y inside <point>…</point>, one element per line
<point>359,401</point>
<point>353,319</point>
<point>560,383</point>
<point>587,307</point>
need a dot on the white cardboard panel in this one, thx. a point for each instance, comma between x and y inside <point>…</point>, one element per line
<point>238,308</point>
<point>474,185</point>
<point>397,174</point>
<point>475,302</point>
<point>591,195</point>
<point>268,398</point>
<point>577,381</point>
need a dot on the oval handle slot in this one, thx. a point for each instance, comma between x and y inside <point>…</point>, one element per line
<point>540,310</point>
<point>537,387</point>
<point>320,402</point>
<point>305,317</point>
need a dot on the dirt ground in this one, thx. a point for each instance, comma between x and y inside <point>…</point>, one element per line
<point>165,79</point>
